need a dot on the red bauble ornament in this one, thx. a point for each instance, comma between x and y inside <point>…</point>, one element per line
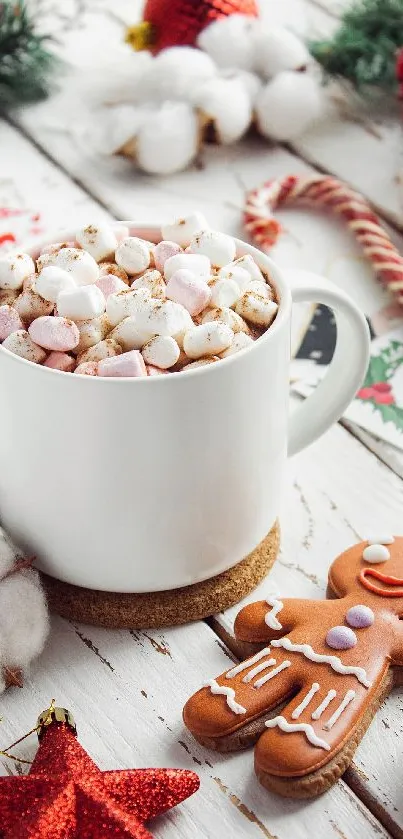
<point>172,23</point>
<point>399,71</point>
<point>66,796</point>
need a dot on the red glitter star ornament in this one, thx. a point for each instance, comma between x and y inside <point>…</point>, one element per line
<point>66,796</point>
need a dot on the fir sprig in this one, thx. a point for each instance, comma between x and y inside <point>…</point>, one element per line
<point>364,49</point>
<point>25,62</point>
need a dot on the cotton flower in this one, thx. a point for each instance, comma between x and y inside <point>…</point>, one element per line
<point>175,72</point>
<point>226,105</point>
<point>229,41</point>
<point>168,140</point>
<point>276,49</point>
<point>287,105</point>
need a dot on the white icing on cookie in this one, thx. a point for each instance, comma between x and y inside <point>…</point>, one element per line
<point>335,663</point>
<point>229,693</point>
<point>323,705</point>
<point>305,702</point>
<point>288,728</point>
<point>381,540</point>
<point>258,669</point>
<point>375,553</point>
<point>270,617</point>
<point>350,695</point>
<point>264,679</point>
<point>245,664</point>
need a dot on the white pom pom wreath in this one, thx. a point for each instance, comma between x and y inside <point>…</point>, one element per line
<point>226,104</point>
<point>278,49</point>
<point>287,105</point>
<point>24,623</point>
<point>175,72</point>
<point>168,140</point>
<point>229,41</point>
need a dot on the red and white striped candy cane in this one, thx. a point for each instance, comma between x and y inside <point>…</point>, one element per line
<point>330,194</point>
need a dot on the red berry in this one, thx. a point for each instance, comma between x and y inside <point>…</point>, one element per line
<point>382,387</point>
<point>384,399</point>
<point>365,393</point>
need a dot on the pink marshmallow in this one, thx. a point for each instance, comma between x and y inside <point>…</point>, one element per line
<point>54,333</point>
<point>10,321</point>
<point>128,364</point>
<point>185,288</point>
<point>87,368</point>
<point>163,251</point>
<point>155,371</point>
<point>60,361</point>
<point>109,284</point>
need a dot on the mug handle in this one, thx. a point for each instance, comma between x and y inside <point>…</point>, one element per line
<point>346,370</point>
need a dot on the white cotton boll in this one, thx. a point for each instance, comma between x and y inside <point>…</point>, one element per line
<point>226,104</point>
<point>118,78</point>
<point>24,621</point>
<point>229,41</point>
<point>287,105</point>
<point>251,82</point>
<point>168,140</point>
<point>114,129</point>
<point>174,73</point>
<point>8,554</point>
<point>277,49</point>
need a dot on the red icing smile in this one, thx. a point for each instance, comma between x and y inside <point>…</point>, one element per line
<point>383,578</point>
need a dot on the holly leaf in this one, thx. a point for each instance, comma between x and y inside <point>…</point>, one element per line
<point>376,371</point>
<point>390,413</point>
<point>382,367</point>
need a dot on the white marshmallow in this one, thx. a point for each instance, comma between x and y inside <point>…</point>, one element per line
<point>256,309</point>
<point>125,303</point>
<point>227,316</point>
<point>152,280</point>
<point>260,287</point>
<point>182,229</point>
<point>166,318</point>
<point>14,269</point>
<point>129,335</point>
<point>20,343</point>
<point>133,255</point>
<point>98,239</point>
<point>91,333</point>
<point>207,339</point>
<point>218,247</point>
<point>240,342</point>
<point>248,264</point>
<point>235,273</point>
<point>51,281</point>
<point>31,305</point>
<point>104,349</point>
<point>162,351</point>
<point>202,362</point>
<point>80,264</point>
<point>197,263</point>
<point>81,303</point>
<point>225,293</point>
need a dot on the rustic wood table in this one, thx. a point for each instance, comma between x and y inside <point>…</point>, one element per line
<point>127,688</point>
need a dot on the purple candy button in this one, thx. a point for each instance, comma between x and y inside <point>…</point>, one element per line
<point>360,617</point>
<point>341,638</point>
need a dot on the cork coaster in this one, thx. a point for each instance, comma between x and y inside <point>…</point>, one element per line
<point>164,608</point>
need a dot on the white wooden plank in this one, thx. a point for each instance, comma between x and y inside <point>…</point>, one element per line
<point>126,691</point>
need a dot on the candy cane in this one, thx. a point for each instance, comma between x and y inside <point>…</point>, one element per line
<point>329,194</point>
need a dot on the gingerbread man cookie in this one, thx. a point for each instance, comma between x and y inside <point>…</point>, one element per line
<point>309,694</point>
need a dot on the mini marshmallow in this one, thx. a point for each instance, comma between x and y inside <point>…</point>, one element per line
<point>198,264</point>
<point>10,321</point>
<point>133,255</point>
<point>98,239</point>
<point>127,364</point>
<point>112,268</point>
<point>121,231</point>
<point>227,316</point>
<point>154,371</point>
<point>182,230</point>
<point>162,351</point>
<point>200,363</point>
<point>225,293</point>
<point>104,349</point>
<point>87,368</point>
<point>29,282</point>
<point>240,342</point>
<point>91,333</point>
<point>153,281</point>
<point>51,281</point>
<point>54,333</point>
<point>60,361</point>
<point>31,305</point>
<point>81,303</point>
<point>256,309</point>
<point>8,296</point>
<point>207,339</point>
<point>14,268</point>
<point>160,318</point>
<point>55,247</point>
<point>260,287</point>
<point>110,284</point>
<point>163,251</point>
<point>248,264</point>
<point>80,264</point>
<point>190,291</point>
<point>218,247</point>
<point>20,343</point>
<point>125,303</point>
<point>235,273</point>
<point>129,335</point>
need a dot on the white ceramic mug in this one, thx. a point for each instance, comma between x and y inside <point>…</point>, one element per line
<point>157,483</point>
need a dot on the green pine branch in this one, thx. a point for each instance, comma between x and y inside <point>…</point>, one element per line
<point>364,48</point>
<point>25,63</point>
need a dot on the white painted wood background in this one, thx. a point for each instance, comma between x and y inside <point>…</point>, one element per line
<point>127,689</point>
